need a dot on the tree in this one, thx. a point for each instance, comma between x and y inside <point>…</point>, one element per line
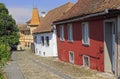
<point>8,29</point>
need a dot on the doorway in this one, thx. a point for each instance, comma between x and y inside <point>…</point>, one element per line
<point>109,54</point>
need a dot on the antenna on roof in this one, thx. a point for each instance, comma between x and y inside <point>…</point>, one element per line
<point>34,4</point>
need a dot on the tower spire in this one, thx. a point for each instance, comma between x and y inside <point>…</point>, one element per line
<point>35,17</point>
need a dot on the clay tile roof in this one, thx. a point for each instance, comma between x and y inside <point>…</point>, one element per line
<point>35,17</point>
<point>108,4</point>
<point>22,27</point>
<point>46,22</point>
<point>85,7</point>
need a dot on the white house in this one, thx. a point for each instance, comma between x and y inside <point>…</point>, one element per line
<point>45,40</point>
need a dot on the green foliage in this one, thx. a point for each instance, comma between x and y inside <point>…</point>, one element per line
<point>4,53</point>
<point>4,56</point>
<point>1,76</point>
<point>3,9</point>
<point>8,28</point>
<point>8,35</point>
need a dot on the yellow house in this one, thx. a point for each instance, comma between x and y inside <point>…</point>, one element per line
<point>23,31</point>
<point>26,31</point>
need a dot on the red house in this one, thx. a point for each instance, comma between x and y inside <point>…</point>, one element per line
<point>88,35</point>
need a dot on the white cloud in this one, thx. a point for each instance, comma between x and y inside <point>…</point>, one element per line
<point>21,15</point>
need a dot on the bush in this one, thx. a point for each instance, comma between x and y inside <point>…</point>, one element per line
<point>4,52</point>
<point>1,76</point>
<point>4,56</point>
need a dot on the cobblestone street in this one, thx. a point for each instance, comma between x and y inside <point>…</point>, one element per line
<point>26,65</point>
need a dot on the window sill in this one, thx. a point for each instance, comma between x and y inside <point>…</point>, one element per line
<point>62,40</point>
<point>85,44</point>
<point>70,41</point>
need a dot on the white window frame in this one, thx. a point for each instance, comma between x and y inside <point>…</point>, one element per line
<point>71,61</point>
<point>84,61</point>
<point>70,32</point>
<point>62,32</point>
<point>85,33</point>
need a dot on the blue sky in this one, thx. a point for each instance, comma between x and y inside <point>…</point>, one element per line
<point>21,10</point>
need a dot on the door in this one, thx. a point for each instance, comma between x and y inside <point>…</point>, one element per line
<point>110,46</point>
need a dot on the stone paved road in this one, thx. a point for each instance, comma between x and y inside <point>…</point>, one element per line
<point>12,69</point>
<point>26,65</point>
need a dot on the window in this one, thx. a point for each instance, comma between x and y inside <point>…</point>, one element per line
<point>28,32</point>
<point>42,39</point>
<point>85,33</point>
<point>86,61</point>
<point>39,39</point>
<point>70,35</point>
<point>71,57</point>
<point>35,39</point>
<point>28,45</point>
<point>47,41</point>
<point>36,51</point>
<point>40,52</point>
<point>62,33</point>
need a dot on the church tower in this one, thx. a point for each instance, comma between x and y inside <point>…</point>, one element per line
<point>35,20</point>
<point>32,24</point>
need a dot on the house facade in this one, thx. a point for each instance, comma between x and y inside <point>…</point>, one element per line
<point>24,33</point>
<point>45,35</point>
<point>89,35</point>
<point>45,44</point>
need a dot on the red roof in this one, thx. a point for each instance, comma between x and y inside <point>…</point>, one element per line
<point>84,7</point>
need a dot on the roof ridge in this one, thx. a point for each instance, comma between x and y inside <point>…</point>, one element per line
<point>68,3</point>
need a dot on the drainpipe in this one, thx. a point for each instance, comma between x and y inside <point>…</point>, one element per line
<point>118,25</point>
<point>84,17</point>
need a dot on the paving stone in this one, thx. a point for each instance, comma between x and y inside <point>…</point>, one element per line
<point>26,65</point>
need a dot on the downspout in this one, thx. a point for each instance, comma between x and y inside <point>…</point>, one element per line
<point>84,17</point>
<point>118,24</point>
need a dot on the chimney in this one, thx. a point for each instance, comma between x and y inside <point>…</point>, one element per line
<point>43,14</point>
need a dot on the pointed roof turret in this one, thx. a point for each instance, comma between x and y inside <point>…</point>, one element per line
<point>35,18</point>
